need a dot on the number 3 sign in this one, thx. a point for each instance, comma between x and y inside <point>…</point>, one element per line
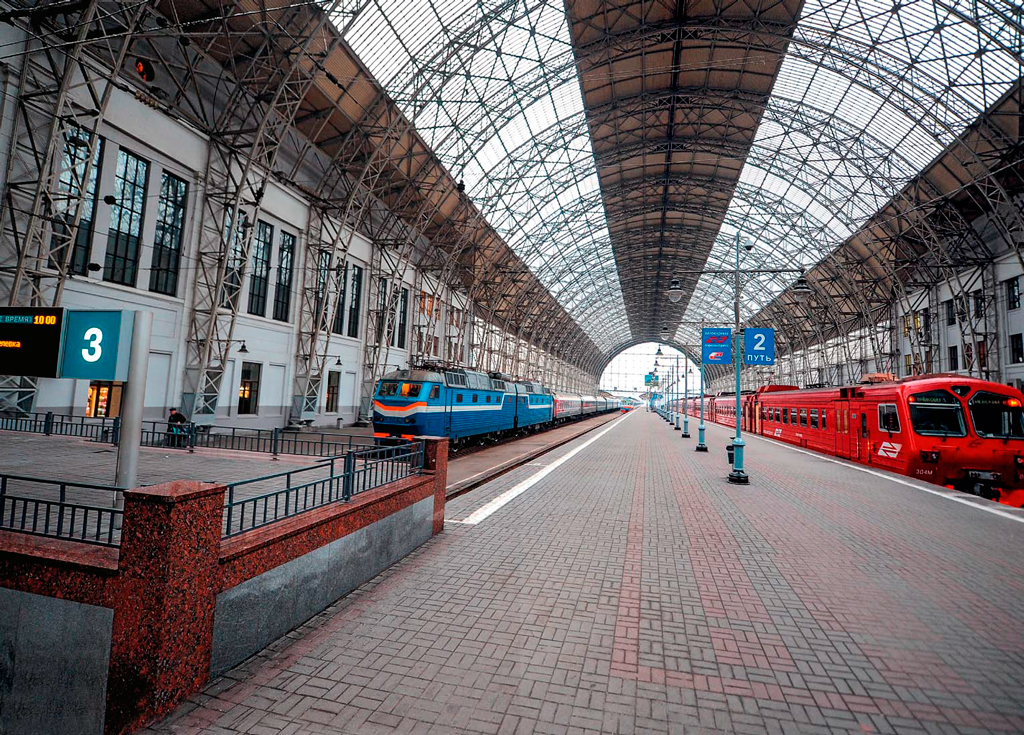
<point>97,345</point>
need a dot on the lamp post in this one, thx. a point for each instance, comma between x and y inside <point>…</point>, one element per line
<point>701,446</point>
<point>686,398</point>
<point>738,476</point>
<point>677,393</point>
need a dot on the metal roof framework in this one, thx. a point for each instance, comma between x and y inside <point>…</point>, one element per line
<point>791,123</point>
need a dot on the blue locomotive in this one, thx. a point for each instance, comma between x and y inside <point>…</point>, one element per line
<point>466,404</point>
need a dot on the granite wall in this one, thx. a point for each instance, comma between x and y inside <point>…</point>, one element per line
<point>103,640</point>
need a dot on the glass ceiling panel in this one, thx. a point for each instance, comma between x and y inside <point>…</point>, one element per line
<point>839,139</point>
<point>870,92</point>
<point>492,88</point>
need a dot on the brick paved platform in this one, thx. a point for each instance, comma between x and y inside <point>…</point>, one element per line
<point>630,589</point>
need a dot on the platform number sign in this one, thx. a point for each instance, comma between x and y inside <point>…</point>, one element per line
<point>759,347</point>
<point>97,345</point>
<point>716,346</point>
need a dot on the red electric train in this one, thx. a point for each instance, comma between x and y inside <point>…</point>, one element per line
<point>964,433</point>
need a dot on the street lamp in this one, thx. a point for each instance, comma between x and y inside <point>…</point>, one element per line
<point>801,289</point>
<point>676,387</point>
<point>675,292</point>
<point>738,476</point>
<point>659,353</point>
<point>686,398</point>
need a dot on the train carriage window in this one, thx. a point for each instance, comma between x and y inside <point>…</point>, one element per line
<point>476,397</point>
<point>936,413</point>
<point>803,417</point>
<point>435,391</point>
<point>823,424</point>
<point>785,415</point>
<point>388,389</point>
<point>458,398</point>
<point>814,418</point>
<point>888,418</point>
<point>998,416</point>
<point>488,399</point>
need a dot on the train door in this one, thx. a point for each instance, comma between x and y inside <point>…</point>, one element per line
<point>448,393</point>
<point>842,431</point>
<point>521,411</point>
<point>860,438</point>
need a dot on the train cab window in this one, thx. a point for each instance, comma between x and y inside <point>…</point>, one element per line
<point>388,389</point>
<point>888,419</point>
<point>803,417</point>
<point>814,418</point>
<point>435,391</point>
<point>936,413</point>
<point>997,416</point>
<point>411,390</point>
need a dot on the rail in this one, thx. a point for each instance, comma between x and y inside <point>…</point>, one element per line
<point>41,507</point>
<point>188,436</point>
<point>336,479</point>
<point>62,424</point>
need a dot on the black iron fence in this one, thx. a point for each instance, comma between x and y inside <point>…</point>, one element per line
<point>189,436</point>
<point>337,479</point>
<point>61,424</point>
<point>70,510</point>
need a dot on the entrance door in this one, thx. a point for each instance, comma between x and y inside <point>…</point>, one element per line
<point>842,428</point>
<point>859,438</point>
<point>449,397</point>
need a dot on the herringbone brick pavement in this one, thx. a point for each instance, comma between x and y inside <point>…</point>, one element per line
<point>633,590</point>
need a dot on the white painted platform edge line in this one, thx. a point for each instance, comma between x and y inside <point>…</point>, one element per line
<point>509,495</point>
<point>489,469</point>
<point>948,495</point>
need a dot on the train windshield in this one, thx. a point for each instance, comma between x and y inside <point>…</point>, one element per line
<point>387,389</point>
<point>997,416</point>
<point>411,390</point>
<point>937,413</point>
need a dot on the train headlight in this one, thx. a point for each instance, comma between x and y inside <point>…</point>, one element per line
<point>927,456</point>
<point>410,420</point>
<point>1018,460</point>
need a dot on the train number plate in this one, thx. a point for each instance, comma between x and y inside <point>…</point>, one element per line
<point>982,475</point>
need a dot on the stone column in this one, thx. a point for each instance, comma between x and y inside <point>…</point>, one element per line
<point>163,621</point>
<point>435,459</point>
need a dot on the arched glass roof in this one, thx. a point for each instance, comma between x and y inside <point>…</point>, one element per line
<point>867,94</point>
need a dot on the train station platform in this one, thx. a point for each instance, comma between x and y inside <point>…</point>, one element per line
<point>619,584</point>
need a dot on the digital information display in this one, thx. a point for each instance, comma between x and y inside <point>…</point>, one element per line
<point>30,341</point>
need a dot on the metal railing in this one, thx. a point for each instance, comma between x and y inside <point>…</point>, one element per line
<point>189,436</point>
<point>62,424</point>
<point>337,479</point>
<point>41,507</point>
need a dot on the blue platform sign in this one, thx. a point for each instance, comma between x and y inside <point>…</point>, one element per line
<point>97,344</point>
<point>716,346</point>
<point>759,347</point>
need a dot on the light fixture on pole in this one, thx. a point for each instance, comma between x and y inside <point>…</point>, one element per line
<point>801,289</point>
<point>659,353</point>
<point>675,292</point>
<point>738,476</point>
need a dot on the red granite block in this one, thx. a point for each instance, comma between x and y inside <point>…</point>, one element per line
<point>436,459</point>
<point>67,570</point>
<point>255,552</point>
<point>163,619</point>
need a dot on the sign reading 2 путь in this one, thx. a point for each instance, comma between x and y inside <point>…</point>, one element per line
<point>759,346</point>
<point>716,346</point>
